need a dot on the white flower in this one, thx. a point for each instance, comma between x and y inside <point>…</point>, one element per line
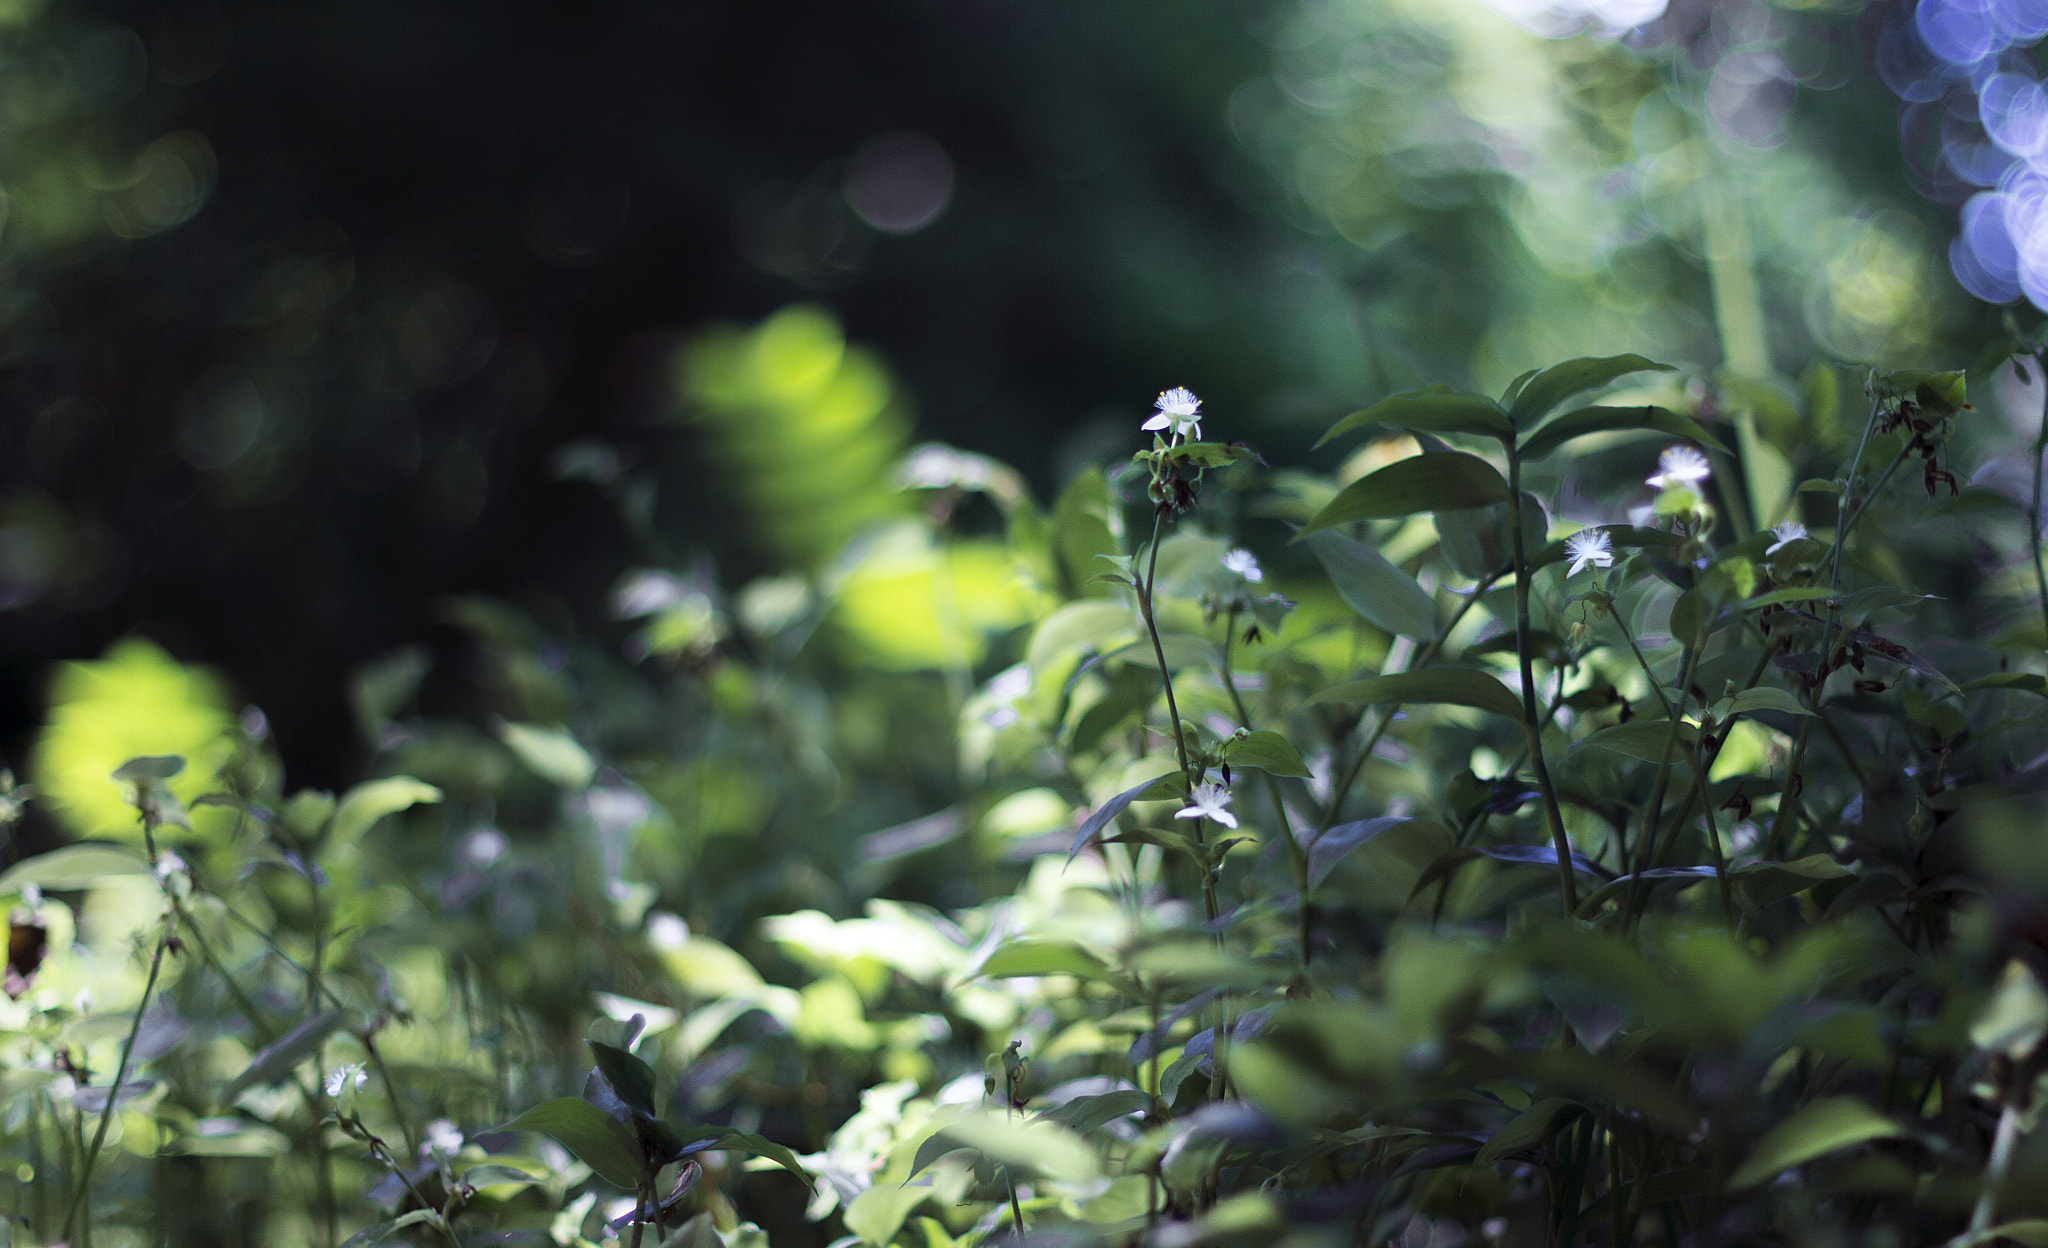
<point>1207,802</point>
<point>1178,409</point>
<point>351,1075</point>
<point>1786,533</point>
<point>1244,563</point>
<point>1680,465</point>
<point>1589,546</point>
<point>440,1140</point>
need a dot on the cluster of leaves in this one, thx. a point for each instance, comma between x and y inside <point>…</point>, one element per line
<point>1437,870</point>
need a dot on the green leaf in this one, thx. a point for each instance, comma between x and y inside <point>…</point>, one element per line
<point>1529,1129</point>
<point>2028,682</point>
<point>760,1146</point>
<point>1447,686</point>
<point>1794,593</point>
<point>631,1078</point>
<point>591,1134</point>
<point>1042,1146</point>
<point>1815,485</point>
<point>1559,382</point>
<point>1437,409</point>
<point>149,767</point>
<point>384,1231</point>
<point>1878,597</point>
<point>74,866</point>
<point>1610,419</point>
<point>1087,1114</point>
<point>1376,589</point>
<point>1443,482</point>
<point>371,800</point>
<point>1268,751</point>
<point>877,1214</point>
<point>698,1232</point>
<point>1766,698</point>
<point>2014,1020</point>
<point>2032,1232</point>
<point>550,753</point>
<point>1643,739</point>
<point>1822,1127</point>
<point>1112,808</point>
<point>275,1061</point>
<point>1043,957</point>
<point>1327,850</point>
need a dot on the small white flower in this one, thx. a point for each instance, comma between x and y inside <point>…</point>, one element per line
<point>1207,802</point>
<point>440,1140</point>
<point>1680,465</point>
<point>1589,546</point>
<point>1178,409</point>
<point>1786,533</point>
<point>168,863</point>
<point>1244,563</point>
<point>341,1077</point>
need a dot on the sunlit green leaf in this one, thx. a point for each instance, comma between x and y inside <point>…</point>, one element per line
<point>1819,1128</point>
<point>760,1146</point>
<point>1042,1146</point>
<point>73,866</point>
<point>370,801</point>
<point>1043,957</point>
<point>550,753</point>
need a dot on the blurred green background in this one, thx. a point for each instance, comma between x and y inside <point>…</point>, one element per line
<point>317,318</point>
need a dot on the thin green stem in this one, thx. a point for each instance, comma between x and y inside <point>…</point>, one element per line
<point>1699,779</point>
<point>99,1135</point>
<point>1180,746</point>
<point>2034,511</point>
<point>1567,886</point>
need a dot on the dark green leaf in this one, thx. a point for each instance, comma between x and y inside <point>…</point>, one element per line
<point>1766,698</point>
<point>1448,686</point>
<point>1611,419</point>
<point>761,1147</point>
<point>1445,482</point>
<point>1088,1113</point>
<point>1327,850</point>
<point>1794,593</point>
<point>1437,409</point>
<point>589,1133</point>
<point>2027,682</point>
<point>1531,1128</point>
<point>1374,588</point>
<point>384,1231</point>
<point>1268,751</point>
<point>277,1060</point>
<point>151,767</point>
<point>632,1079</point>
<point>1878,597</point>
<point>1559,382</point>
<point>1644,739</point>
<point>1815,485</point>
<point>1820,1128</point>
<point>1111,809</point>
<point>1043,957</point>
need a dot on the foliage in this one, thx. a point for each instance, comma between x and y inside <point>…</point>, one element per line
<point>1435,866</point>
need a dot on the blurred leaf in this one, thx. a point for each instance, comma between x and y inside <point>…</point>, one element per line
<point>370,801</point>
<point>2014,1020</point>
<point>589,1133</point>
<point>1043,1147</point>
<point>1436,409</point>
<point>153,767</point>
<point>1586,420</point>
<point>2028,682</point>
<point>1444,482</point>
<point>1644,739</point>
<point>1329,849</point>
<point>1268,751</point>
<point>1559,382</point>
<point>1043,957</point>
<point>1081,530</point>
<point>1766,698</point>
<point>276,1061</point>
<point>760,1146</point>
<point>1450,686</point>
<point>1877,598</point>
<point>1531,1128</point>
<point>2032,1232</point>
<point>73,866</point>
<point>1819,1128</point>
<point>383,1232</point>
<point>1376,589</point>
<point>550,753</point>
<point>1794,593</point>
<point>877,1214</point>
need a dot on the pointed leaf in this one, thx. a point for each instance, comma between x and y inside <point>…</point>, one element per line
<point>149,767</point>
<point>1820,1128</point>
<point>382,1232</point>
<point>1445,482</point>
<point>632,1079</point>
<point>1643,739</point>
<point>761,1146</point>
<point>1042,1146</point>
<point>1531,1128</point>
<point>1374,588</point>
<point>1043,957</point>
<point>74,866</point>
<point>1111,809</point>
<point>1268,751</point>
<point>1766,698</point>
<point>1327,850</point>
<point>589,1133</point>
<point>1437,409</point>
<point>1611,419</point>
<point>277,1060</point>
<point>370,801</point>
<point>1559,382</point>
<point>1449,686</point>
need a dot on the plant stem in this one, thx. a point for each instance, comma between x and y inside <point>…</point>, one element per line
<point>1295,851</point>
<point>2034,512</point>
<point>1180,746</point>
<point>1567,887</point>
<point>99,1136</point>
